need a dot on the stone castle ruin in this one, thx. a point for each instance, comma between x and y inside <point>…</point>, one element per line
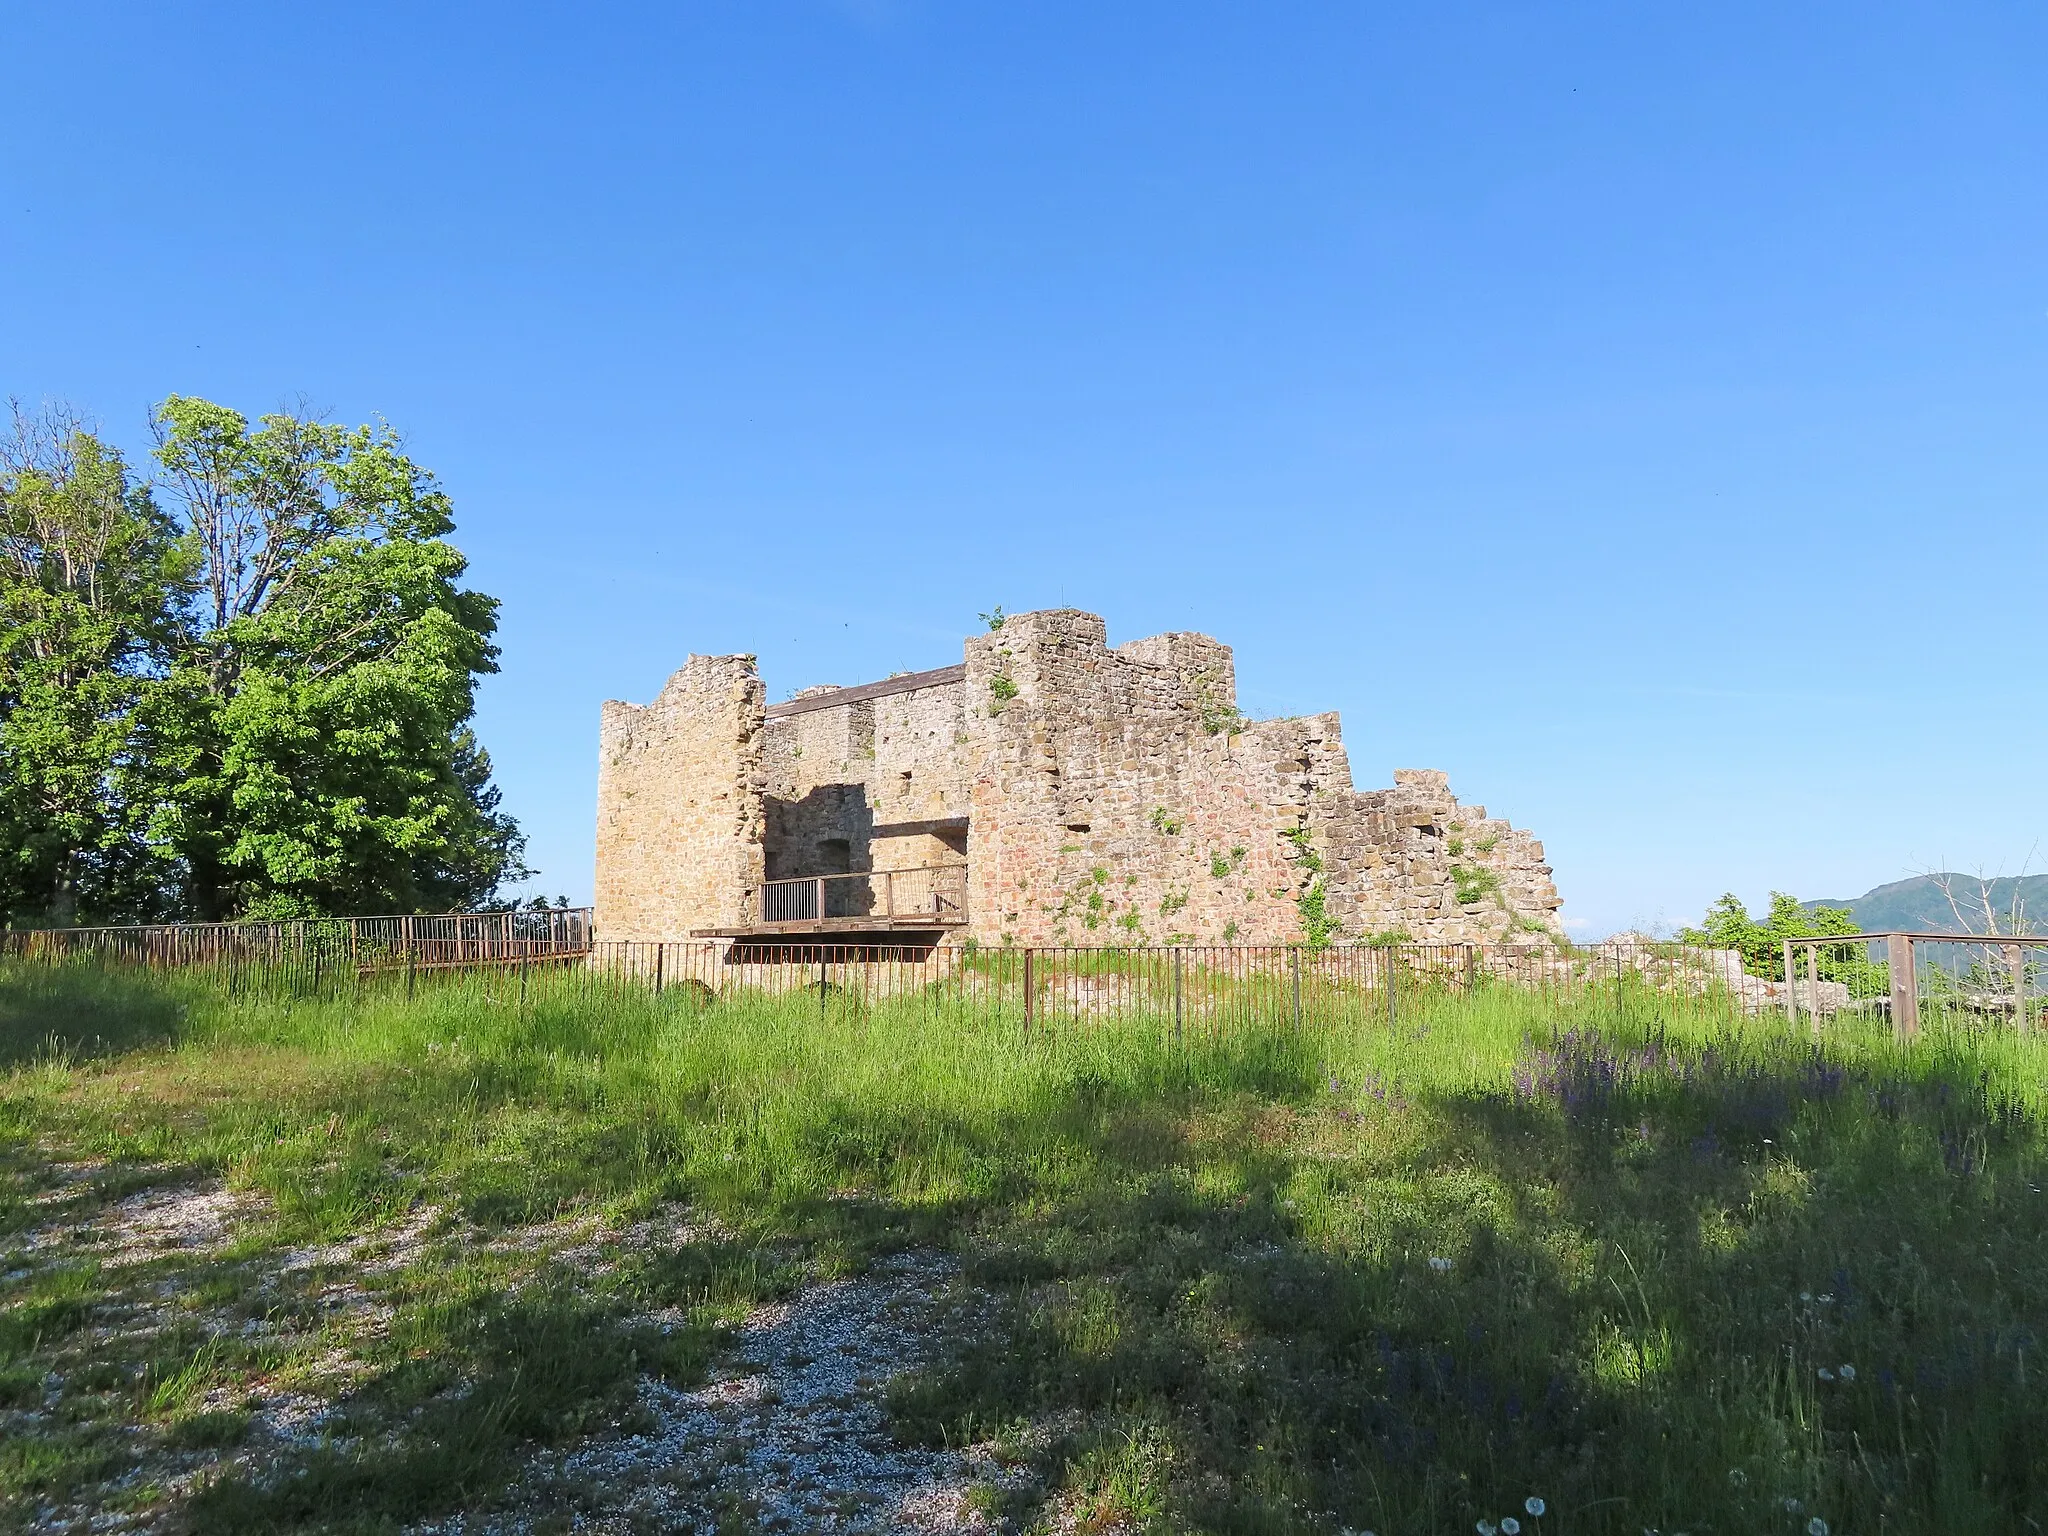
<point>1048,790</point>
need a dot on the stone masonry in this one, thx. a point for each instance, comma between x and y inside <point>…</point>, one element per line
<point>1097,795</point>
<point>679,802</point>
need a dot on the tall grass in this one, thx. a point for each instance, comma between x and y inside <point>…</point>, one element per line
<point>1608,1251</point>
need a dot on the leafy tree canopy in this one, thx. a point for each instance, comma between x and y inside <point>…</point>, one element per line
<point>1728,925</point>
<point>282,684</point>
<point>93,577</point>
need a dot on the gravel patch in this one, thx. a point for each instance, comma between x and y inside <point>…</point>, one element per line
<point>791,1437</point>
<point>189,1220</point>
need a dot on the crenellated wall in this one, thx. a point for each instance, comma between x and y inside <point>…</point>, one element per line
<point>1120,798</point>
<point>1100,796</point>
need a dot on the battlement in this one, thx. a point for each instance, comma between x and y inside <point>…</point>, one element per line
<point>1094,795</point>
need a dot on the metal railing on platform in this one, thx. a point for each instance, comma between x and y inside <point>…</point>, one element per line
<point>930,897</point>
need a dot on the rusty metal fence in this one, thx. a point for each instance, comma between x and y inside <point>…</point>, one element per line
<point>1194,988</point>
<point>331,945</point>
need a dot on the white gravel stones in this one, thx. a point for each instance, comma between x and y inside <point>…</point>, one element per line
<point>795,1438</point>
<point>189,1219</point>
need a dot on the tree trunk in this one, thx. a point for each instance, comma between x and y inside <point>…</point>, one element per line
<point>64,891</point>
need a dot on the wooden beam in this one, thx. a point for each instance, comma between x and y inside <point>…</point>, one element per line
<point>932,828</point>
<point>909,682</point>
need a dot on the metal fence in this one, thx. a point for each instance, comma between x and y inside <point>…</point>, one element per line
<point>411,941</point>
<point>1905,978</point>
<point>1186,988</point>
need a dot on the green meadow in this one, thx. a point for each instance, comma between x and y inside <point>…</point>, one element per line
<point>1606,1258</point>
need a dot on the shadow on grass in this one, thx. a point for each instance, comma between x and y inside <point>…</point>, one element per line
<point>1248,1300</point>
<point>476,1377</point>
<point>81,1010</point>
<point>1650,1288</point>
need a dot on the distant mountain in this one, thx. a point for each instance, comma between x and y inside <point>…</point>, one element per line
<point>1917,905</point>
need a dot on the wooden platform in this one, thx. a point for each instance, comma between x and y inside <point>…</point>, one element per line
<point>908,924</point>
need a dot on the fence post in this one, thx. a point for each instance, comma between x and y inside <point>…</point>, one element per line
<point>2016,962</point>
<point>1471,969</point>
<point>1813,987</point>
<point>1898,953</point>
<point>1791,988</point>
<point>660,952</point>
<point>818,895</point>
<point>1030,991</point>
<point>1294,965</point>
<point>1176,995</point>
<point>1393,990</point>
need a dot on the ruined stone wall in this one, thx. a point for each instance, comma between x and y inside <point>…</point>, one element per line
<point>1101,796</point>
<point>885,777</point>
<point>679,804</point>
<point>1118,797</point>
<point>1411,860</point>
<point>1105,809</point>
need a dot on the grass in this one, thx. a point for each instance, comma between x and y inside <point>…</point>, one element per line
<point>1347,1277</point>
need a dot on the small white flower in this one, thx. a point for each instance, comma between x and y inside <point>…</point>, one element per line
<point>1806,1295</point>
<point>1791,1506</point>
<point>1485,1528</point>
<point>1534,1505</point>
<point>1441,1266</point>
<point>1847,1373</point>
<point>1816,1527</point>
<point>1827,1298</point>
<point>1825,1374</point>
<point>1511,1527</point>
<point>1737,1477</point>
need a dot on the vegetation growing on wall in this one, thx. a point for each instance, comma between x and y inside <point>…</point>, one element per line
<point>1318,928</point>
<point>1473,883</point>
<point>1001,686</point>
<point>1217,717</point>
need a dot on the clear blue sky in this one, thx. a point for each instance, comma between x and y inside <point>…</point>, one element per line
<point>1640,411</point>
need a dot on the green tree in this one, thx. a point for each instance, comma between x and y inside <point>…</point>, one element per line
<point>315,726</point>
<point>92,575</point>
<point>1728,925</point>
